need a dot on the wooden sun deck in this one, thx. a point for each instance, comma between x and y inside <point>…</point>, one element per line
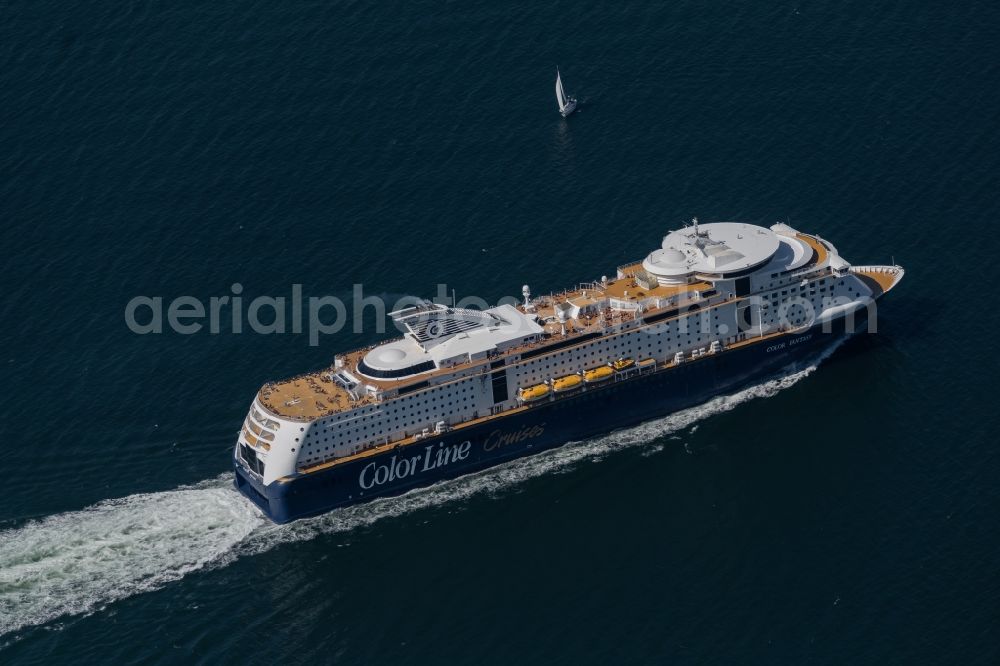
<point>879,279</point>
<point>622,289</point>
<point>627,288</point>
<point>820,253</point>
<point>306,397</point>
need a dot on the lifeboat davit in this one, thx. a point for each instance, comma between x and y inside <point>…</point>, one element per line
<point>599,374</point>
<point>534,393</point>
<point>567,383</point>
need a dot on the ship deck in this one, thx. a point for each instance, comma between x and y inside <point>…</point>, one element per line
<point>307,397</point>
<point>314,395</point>
<point>879,279</point>
<point>820,253</point>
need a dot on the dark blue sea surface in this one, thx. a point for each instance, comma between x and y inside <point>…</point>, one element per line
<point>845,514</point>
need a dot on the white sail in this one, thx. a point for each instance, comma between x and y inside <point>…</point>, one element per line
<point>560,95</point>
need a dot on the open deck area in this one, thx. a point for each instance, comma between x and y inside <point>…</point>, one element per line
<point>307,397</point>
<point>314,395</point>
<point>879,279</point>
<point>627,288</point>
<point>820,253</point>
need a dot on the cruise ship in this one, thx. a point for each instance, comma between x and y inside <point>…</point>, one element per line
<point>715,307</point>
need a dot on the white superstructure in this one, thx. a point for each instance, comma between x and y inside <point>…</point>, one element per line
<point>706,288</point>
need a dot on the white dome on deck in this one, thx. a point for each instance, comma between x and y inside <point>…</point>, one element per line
<point>672,255</point>
<point>718,248</point>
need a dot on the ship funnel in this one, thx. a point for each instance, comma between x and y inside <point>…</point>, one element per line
<point>526,292</point>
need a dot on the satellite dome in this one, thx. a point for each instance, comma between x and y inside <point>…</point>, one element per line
<point>389,356</point>
<point>672,255</point>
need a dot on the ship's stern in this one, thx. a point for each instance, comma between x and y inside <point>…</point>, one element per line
<point>264,458</point>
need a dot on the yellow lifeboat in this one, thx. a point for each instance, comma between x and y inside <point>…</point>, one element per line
<point>647,363</point>
<point>567,383</point>
<point>623,364</point>
<point>599,374</point>
<point>533,393</point>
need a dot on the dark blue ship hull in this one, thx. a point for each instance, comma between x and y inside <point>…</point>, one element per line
<point>592,411</point>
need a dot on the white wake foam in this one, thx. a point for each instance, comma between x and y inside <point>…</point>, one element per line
<point>78,562</point>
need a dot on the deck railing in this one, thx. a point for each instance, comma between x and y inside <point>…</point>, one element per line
<point>888,270</point>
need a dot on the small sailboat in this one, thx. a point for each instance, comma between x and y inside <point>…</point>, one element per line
<point>566,104</point>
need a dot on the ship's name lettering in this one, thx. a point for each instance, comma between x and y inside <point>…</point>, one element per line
<point>499,438</point>
<point>794,341</point>
<point>400,467</point>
